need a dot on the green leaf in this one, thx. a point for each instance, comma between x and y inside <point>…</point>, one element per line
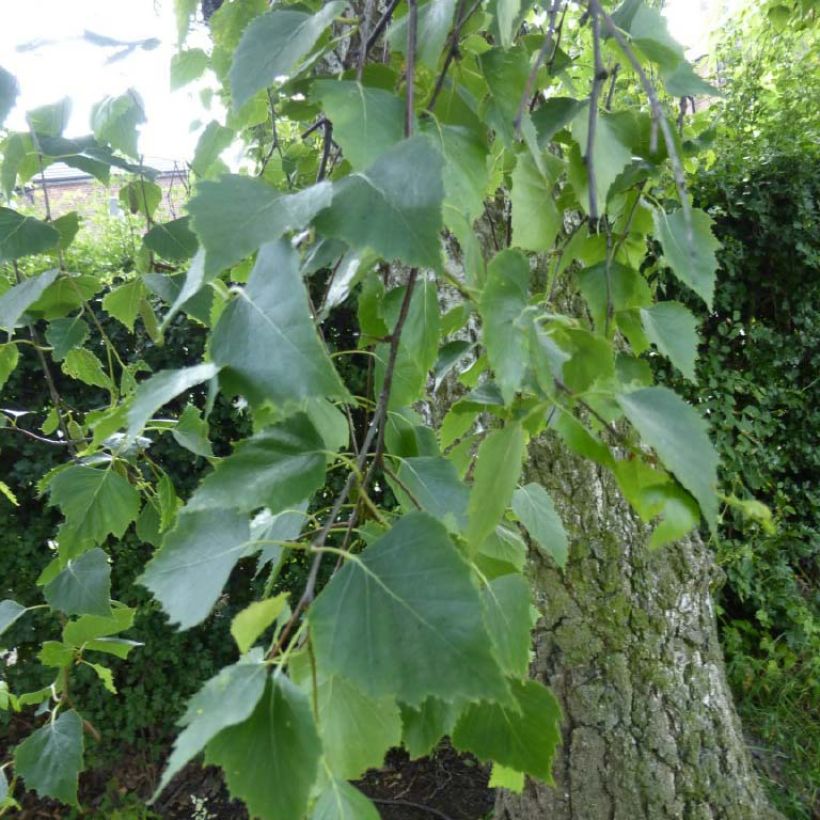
<point>172,240</point>
<point>276,468</point>
<point>534,508</point>
<point>674,330</point>
<point>187,574</point>
<point>187,66</point>
<point>418,345</point>
<point>105,675</point>
<point>83,365</point>
<point>17,299</point>
<point>506,602</point>
<point>265,338</point>
<point>625,289</point>
<point>535,217</point>
<point>9,356</point>
<point>434,20</point>
<point>694,263</point>
<point>67,226</point>
<point>552,116</point>
<point>9,89</point>
<point>23,236</point>
<point>50,120</point>
<point>503,778</point>
<point>211,143</point>
<point>91,628</point>
<point>679,436</point>
<point>356,730</point>
<point>435,485</point>
<point>523,739</point>
<point>64,295</point>
<point>50,760</point>
<point>610,155</point>
<point>366,121</point>
<point>234,216</point>
<point>649,32</point>
<point>10,611</point>
<point>162,388</point>
<point>115,119</point>
<point>424,726</point>
<point>341,801</point>
<point>498,467</point>
<point>140,197</point>
<point>506,72</point>
<point>123,303</point>
<point>273,45</point>
<point>224,700</point>
<point>191,432</point>
<point>411,595</point>
<point>7,493</point>
<point>271,760</point>
<point>505,296</point>
<point>254,619</point>
<point>56,655</point>
<point>95,503</point>
<point>393,207</point>
<point>284,526</point>
<point>83,587</point>
<point>118,647</point>
<point>507,12</point>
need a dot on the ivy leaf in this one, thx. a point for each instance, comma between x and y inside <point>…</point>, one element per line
<point>224,700</point>
<point>172,240</point>
<point>83,587</point>
<point>235,215</point>
<point>435,485</point>
<point>186,66</point>
<point>505,296</point>
<point>497,469</point>
<point>523,738</point>
<point>341,801</point>
<point>23,236</point>
<point>123,303</point>
<point>254,619</point>
<point>265,338</point>
<point>95,502</point>
<point>393,207</point>
<point>366,121</point>
<point>10,611</point>
<point>534,508</point>
<point>679,436</point>
<point>271,760</point>
<point>50,760</point>
<point>64,334</point>
<point>115,119</point>
<point>694,263</point>
<point>272,46</point>
<point>410,594</point>
<point>535,217</point>
<point>161,388</point>
<point>187,574</point>
<point>674,330</point>
<point>18,298</point>
<point>277,468</point>
<point>507,612</point>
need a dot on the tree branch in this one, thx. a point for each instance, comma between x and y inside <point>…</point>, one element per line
<point>412,30</point>
<point>597,84</point>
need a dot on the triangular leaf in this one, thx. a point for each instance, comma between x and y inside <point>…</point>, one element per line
<point>83,587</point>
<point>254,619</point>
<point>341,801</point>
<point>534,508</point>
<point>17,299</point>
<point>674,330</point>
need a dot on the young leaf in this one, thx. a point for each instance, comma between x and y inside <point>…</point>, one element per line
<point>693,262</point>
<point>235,215</point>
<point>105,675</point>
<point>534,508</point>
<point>277,468</point>
<point>271,760</point>
<point>265,338</point>
<point>226,699</point>
<point>496,474</point>
<point>161,388</point>
<point>523,738</point>
<point>680,437</point>
<point>411,594</point>
<point>10,611</point>
<point>674,330</point>
<point>393,207</point>
<point>273,45</point>
<point>341,801</point>
<point>90,628</point>
<point>95,502</point>
<point>505,296</point>
<point>50,759</point>
<point>503,778</point>
<point>366,121</point>
<point>17,299</point>
<point>196,558</point>
<point>81,364</point>
<point>123,303</point>
<point>83,587</point>
<point>254,619</point>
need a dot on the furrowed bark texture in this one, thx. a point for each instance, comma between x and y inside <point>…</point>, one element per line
<point>628,643</point>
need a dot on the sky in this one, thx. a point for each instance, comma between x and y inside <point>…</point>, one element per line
<point>64,64</point>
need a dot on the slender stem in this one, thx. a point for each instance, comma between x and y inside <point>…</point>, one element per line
<point>328,142</point>
<point>364,36</point>
<point>613,77</point>
<point>597,84</point>
<point>380,27</point>
<point>412,31</point>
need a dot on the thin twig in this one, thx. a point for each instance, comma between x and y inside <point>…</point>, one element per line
<point>410,804</point>
<point>412,30</point>
<point>380,27</point>
<point>613,77</point>
<point>328,142</point>
<point>546,48</point>
<point>597,84</point>
<point>57,441</point>
<point>364,26</point>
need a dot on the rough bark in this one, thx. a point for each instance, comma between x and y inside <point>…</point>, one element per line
<point>628,642</point>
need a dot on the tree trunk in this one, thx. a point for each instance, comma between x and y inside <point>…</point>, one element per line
<point>628,643</point>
